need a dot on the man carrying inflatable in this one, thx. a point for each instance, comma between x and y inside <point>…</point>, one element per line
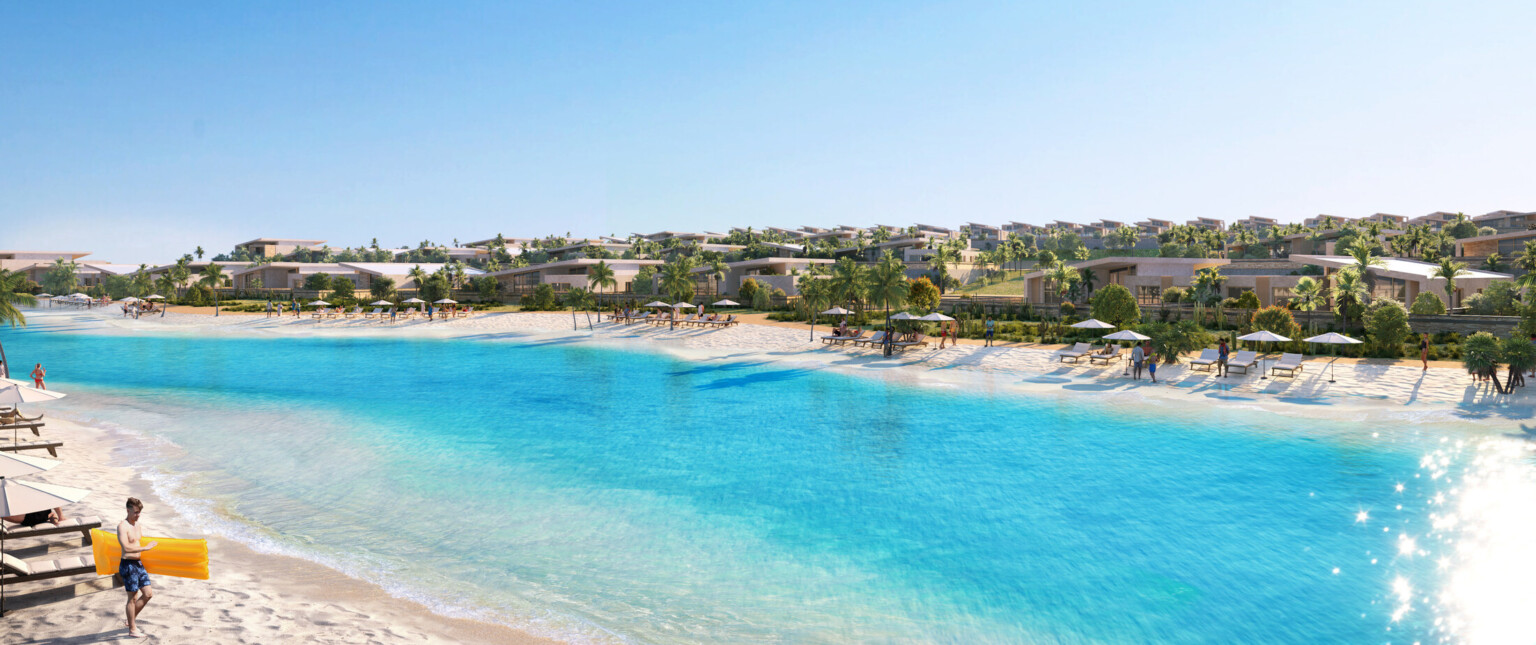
<point>135,578</point>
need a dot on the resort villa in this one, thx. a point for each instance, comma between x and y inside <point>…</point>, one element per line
<point>35,263</point>
<point>777,273</point>
<point>1271,281</point>
<point>564,275</point>
<point>266,247</point>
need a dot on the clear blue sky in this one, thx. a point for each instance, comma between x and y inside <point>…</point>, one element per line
<point>139,130</point>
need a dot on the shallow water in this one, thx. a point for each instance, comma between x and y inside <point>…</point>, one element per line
<point>597,494</point>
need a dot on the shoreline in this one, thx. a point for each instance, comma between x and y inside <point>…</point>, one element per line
<point>299,593</point>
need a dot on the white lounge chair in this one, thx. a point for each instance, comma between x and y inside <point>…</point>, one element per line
<point>319,313</point>
<point>870,341</point>
<point>1208,358</point>
<point>842,339</point>
<point>1077,352</point>
<point>917,339</point>
<point>1289,363</point>
<point>1106,358</point>
<point>1244,360</point>
<point>14,569</point>
<point>81,525</point>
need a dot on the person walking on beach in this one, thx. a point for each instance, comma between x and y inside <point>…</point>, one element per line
<point>1152,364</point>
<point>1221,359</point>
<point>1137,354</point>
<point>991,325</point>
<point>269,308</point>
<point>1424,350</point>
<point>131,568</point>
<point>37,377</point>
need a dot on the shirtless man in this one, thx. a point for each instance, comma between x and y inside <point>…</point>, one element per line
<point>135,579</point>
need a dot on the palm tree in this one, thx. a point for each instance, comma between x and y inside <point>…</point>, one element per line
<point>847,282</point>
<point>601,275</point>
<point>11,295</point>
<point>1494,262</point>
<point>815,292</point>
<point>887,285</point>
<point>1062,277</point>
<point>677,277</point>
<point>1348,289</point>
<point>199,252</point>
<point>1364,258</point>
<point>1307,295</point>
<point>418,276</point>
<point>1449,270</point>
<point>213,276</point>
<point>717,271</point>
<point>1088,277</point>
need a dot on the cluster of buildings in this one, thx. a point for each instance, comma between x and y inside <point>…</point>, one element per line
<point>1147,277</point>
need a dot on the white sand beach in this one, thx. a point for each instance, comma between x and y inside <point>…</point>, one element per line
<point>260,597</point>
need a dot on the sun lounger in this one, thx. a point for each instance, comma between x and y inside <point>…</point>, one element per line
<point>1112,356</point>
<point>374,313</point>
<point>1289,363</point>
<point>725,322</point>
<point>355,311</point>
<point>1244,360</point>
<point>688,322</point>
<point>318,313</point>
<point>11,416</point>
<point>464,313</point>
<point>81,525</point>
<point>334,312</point>
<point>842,339</point>
<point>14,569</point>
<point>875,339</point>
<point>1208,358</point>
<point>917,339</point>
<point>51,446</point>
<point>1077,352</point>
<point>34,427</point>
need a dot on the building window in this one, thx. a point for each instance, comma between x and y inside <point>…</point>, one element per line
<point>1280,295</point>
<point>1390,288</point>
<point>1234,292</point>
<point>1149,295</point>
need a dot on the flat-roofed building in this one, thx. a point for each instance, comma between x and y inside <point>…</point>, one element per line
<point>1208,222</point>
<point>566,274</point>
<point>399,272</point>
<point>91,274</point>
<point>778,273</point>
<point>1506,244</point>
<point>266,247</point>
<point>291,275</point>
<point>1504,221</point>
<point>1256,223</point>
<point>1152,226</point>
<point>1403,280</point>
<point>1435,221</point>
<point>1394,221</point>
<point>35,264</point>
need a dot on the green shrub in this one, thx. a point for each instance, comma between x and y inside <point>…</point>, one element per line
<point>1171,340</point>
<point>1428,304</point>
<point>747,291</point>
<point>1115,305</point>
<point>1247,300</point>
<point>1527,325</point>
<point>1276,320</point>
<point>1499,298</point>
<point>342,290</point>
<point>1068,310</point>
<point>542,299</point>
<point>922,294</point>
<point>317,282</point>
<point>1481,352</point>
<point>1174,295</point>
<point>1387,323</point>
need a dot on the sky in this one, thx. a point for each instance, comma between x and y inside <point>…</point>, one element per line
<point>137,131</point>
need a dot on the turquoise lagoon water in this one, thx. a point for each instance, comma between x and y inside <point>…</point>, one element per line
<point>602,495</point>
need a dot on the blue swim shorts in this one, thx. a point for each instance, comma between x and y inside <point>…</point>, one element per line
<point>134,575</point>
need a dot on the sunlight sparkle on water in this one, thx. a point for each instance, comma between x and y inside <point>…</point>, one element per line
<point>1488,594</point>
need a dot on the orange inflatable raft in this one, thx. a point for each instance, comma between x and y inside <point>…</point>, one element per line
<point>171,557</point>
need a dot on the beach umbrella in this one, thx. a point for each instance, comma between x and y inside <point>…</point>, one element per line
<point>935,317</point>
<point>77,295</point>
<point>1125,335</point>
<point>682,305</point>
<point>14,392</point>
<point>445,301</point>
<point>380,303</point>
<point>131,299</point>
<point>836,311</point>
<point>20,497</point>
<point>656,303</point>
<point>1092,323</point>
<point>154,296</point>
<point>14,465</point>
<point>726,303</point>
<point>412,301</point>
<point>1264,337</point>
<point>1331,338</point>
<point>319,303</point>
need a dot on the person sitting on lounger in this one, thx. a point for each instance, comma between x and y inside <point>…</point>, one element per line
<point>30,520</point>
<point>842,328</point>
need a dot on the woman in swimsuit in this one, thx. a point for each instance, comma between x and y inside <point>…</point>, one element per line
<point>37,377</point>
<point>1424,350</point>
